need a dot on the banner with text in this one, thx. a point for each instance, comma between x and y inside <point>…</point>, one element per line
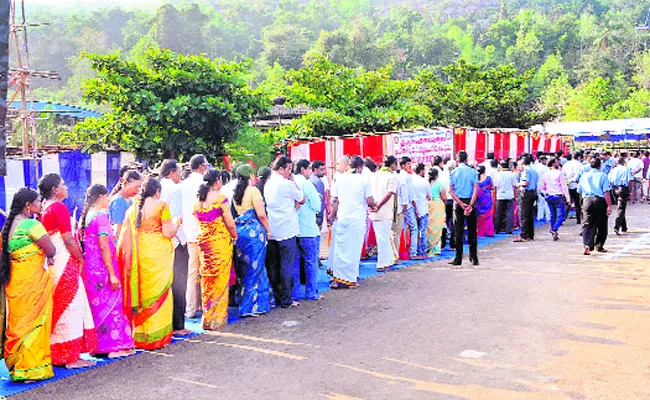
<point>423,145</point>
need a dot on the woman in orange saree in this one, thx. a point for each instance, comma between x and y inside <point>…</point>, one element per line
<point>26,280</point>
<point>146,256</point>
<point>215,249</point>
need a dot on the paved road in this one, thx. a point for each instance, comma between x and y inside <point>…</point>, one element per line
<point>534,321</point>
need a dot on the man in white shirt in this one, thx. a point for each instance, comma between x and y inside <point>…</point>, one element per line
<point>191,229</point>
<point>282,197</point>
<point>572,170</point>
<point>506,183</point>
<point>403,200</point>
<point>636,165</point>
<point>170,174</point>
<point>410,217</point>
<point>384,188</point>
<point>351,197</point>
<point>421,196</point>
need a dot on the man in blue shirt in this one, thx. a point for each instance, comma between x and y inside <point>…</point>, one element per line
<point>306,268</point>
<point>621,179</point>
<point>596,207</point>
<point>528,189</point>
<point>463,188</point>
<point>608,163</point>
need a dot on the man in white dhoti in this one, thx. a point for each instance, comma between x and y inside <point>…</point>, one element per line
<point>351,197</point>
<point>384,187</point>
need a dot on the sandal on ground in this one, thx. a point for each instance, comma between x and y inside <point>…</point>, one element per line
<point>121,353</point>
<point>182,332</point>
<point>521,240</point>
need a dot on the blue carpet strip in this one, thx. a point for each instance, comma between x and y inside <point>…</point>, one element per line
<point>367,269</point>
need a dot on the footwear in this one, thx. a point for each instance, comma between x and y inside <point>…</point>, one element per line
<point>521,240</point>
<point>474,260</point>
<point>555,236</point>
<point>587,251</point>
<point>617,232</point>
<point>454,262</point>
<point>601,249</point>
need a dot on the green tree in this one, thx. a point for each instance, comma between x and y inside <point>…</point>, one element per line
<point>348,100</point>
<point>169,105</point>
<point>469,95</point>
<point>285,46</point>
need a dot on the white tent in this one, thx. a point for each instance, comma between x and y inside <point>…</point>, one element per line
<point>614,130</point>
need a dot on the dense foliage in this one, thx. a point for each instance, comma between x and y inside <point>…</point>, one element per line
<point>167,105</point>
<point>378,64</point>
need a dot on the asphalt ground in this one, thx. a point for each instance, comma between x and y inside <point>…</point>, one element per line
<point>534,321</point>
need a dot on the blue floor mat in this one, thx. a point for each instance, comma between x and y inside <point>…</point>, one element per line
<point>367,269</point>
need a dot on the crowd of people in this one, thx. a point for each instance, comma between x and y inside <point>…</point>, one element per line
<point>175,244</point>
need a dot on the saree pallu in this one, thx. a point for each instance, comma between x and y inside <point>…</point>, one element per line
<point>29,301</point>
<point>215,255</point>
<point>256,295</point>
<point>484,209</point>
<point>348,235</point>
<point>106,305</point>
<point>73,329</point>
<point>437,209</point>
<point>146,259</point>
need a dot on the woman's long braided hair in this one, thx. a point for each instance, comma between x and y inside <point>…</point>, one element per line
<point>21,198</point>
<point>92,195</point>
<point>150,187</point>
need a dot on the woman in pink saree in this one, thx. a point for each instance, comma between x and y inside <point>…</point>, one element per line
<point>101,277</point>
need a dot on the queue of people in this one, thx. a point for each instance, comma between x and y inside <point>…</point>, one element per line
<point>156,250</point>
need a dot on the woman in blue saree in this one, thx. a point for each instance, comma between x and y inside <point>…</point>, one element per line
<point>255,294</point>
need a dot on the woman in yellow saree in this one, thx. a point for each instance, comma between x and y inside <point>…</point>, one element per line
<point>215,249</point>
<point>26,281</point>
<point>146,255</point>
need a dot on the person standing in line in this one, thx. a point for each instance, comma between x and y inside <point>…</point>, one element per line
<point>646,168</point>
<point>351,197</point>
<point>554,188</point>
<point>316,178</point>
<point>435,228</point>
<point>410,218</point>
<point>121,198</point>
<point>384,189</point>
<point>463,188</point>
<point>216,237</point>
<point>283,197</point>
<point>595,188</point>
<point>309,236</point>
<point>528,185</point>
<point>572,170</point>
<point>170,173</point>
<point>147,260</point>
<point>102,278</point>
<point>73,329</point>
<point>543,209</point>
<point>403,200</point>
<point>228,188</point>
<point>422,194</point>
<point>26,276</point>
<point>190,228</point>
<point>636,165</point>
<point>484,204</point>
<point>506,183</point>
<point>450,165</point>
<point>621,179</point>
<point>255,293</point>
